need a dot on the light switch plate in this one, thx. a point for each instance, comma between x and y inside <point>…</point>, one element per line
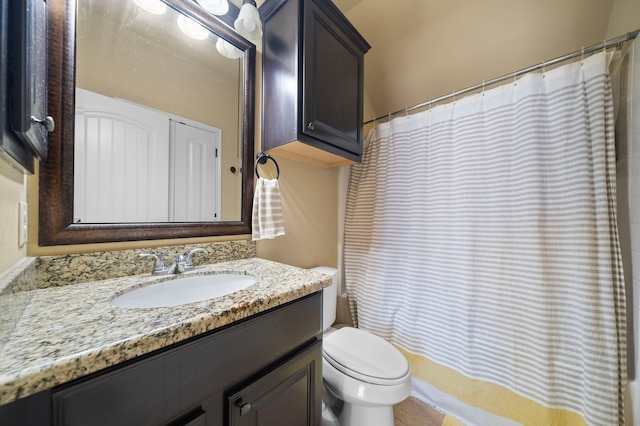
<point>23,220</point>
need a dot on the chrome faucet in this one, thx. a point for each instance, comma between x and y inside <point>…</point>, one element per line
<point>185,262</point>
<point>159,268</point>
<point>181,263</point>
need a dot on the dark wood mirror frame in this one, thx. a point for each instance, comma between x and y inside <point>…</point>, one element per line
<point>56,225</point>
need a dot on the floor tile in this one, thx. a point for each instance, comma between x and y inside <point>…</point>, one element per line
<point>413,412</point>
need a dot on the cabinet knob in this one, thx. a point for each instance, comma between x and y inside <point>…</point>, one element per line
<point>245,407</point>
<point>311,126</point>
<point>47,122</point>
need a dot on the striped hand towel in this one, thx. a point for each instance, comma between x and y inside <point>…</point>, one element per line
<point>267,219</point>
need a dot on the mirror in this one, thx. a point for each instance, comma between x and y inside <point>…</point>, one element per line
<point>128,63</point>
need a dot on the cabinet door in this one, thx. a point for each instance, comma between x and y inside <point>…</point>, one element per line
<point>287,396</point>
<point>333,72</point>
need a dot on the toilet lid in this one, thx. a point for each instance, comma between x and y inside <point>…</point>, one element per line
<point>365,356</point>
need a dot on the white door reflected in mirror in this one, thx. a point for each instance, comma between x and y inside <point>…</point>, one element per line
<point>135,164</point>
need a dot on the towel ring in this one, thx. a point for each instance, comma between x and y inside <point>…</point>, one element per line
<point>262,159</point>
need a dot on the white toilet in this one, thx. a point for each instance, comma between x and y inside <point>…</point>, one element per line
<point>363,375</point>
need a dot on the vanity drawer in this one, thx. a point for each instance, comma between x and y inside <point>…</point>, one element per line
<point>174,383</point>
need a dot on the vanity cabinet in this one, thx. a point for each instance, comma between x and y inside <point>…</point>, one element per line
<point>283,397</point>
<point>312,73</point>
<point>264,370</point>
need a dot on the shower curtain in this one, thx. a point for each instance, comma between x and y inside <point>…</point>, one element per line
<point>481,240</point>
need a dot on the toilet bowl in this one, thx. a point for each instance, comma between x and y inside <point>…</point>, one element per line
<point>363,375</point>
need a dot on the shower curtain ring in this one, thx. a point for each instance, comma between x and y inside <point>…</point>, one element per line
<point>544,71</point>
<point>582,55</point>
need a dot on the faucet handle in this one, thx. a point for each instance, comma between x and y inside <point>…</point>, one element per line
<point>189,258</point>
<point>159,267</point>
<point>184,262</point>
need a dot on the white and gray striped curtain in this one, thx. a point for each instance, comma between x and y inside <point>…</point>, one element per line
<point>482,235</point>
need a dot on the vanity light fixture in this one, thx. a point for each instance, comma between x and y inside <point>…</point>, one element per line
<point>192,28</point>
<point>227,49</point>
<point>215,7</point>
<point>152,6</point>
<point>248,23</point>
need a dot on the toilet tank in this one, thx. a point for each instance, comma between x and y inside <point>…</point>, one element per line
<point>329,296</point>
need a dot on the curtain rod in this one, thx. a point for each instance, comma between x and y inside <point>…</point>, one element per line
<point>604,45</point>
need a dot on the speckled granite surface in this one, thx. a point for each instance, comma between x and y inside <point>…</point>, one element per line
<point>21,277</point>
<point>67,332</point>
<point>14,288</point>
<point>53,271</point>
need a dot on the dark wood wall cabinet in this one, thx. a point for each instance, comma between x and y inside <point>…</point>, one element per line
<point>266,370</point>
<point>24,123</point>
<point>312,82</point>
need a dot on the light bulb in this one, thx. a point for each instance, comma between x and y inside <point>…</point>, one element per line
<point>152,6</point>
<point>248,26</point>
<point>215,7</point>
<point>228,50</point>
<point>192,28</point>
<point>248,23</point>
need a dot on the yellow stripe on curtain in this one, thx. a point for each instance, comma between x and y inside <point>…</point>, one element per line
<point>451,421</point>
<point>488,396</point>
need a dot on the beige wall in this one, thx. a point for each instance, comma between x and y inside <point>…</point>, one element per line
<point>309,197</point>
<point>465,43</point>
<point>310,202</point>
<point>625,17</point>
<point>12,191</point>
<point>426,49</point>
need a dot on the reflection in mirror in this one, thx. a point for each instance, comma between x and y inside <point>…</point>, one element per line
<point>157,117</point>
<point>136,77</point>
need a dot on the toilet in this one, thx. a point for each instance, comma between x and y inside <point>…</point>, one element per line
<point>363,375</point>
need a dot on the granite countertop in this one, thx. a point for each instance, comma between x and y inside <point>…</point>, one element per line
<point>68,332</point>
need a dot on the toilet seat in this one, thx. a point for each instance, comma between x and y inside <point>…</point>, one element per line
<point>365,356</point>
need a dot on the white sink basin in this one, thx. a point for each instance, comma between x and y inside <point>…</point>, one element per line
<point>183,290</point>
